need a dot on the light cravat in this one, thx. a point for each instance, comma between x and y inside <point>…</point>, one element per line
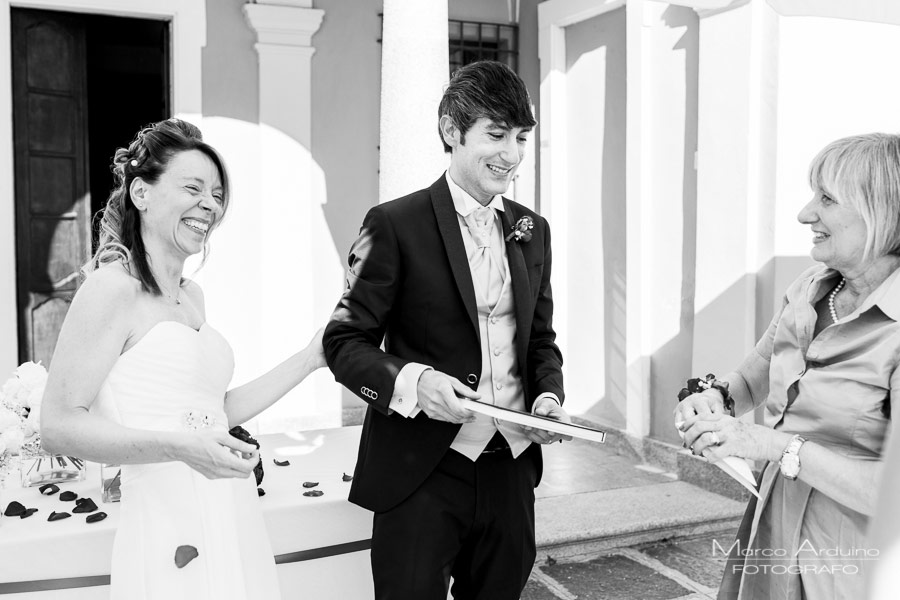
<point>481,227</point>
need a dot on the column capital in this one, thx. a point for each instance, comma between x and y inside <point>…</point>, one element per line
<point>708,8</point>
<point>283,25</point>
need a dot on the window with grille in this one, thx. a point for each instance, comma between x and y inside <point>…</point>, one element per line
<point>471,41</point>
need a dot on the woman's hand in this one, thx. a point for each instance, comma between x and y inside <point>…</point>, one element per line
<point>707,402</point>
<point>717,435</point>
<point>218,454</point>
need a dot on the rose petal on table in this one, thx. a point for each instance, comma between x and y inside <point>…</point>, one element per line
<point>85,505</point>
<point>281,463</point>
<point>260,491</point>
<point>310,484</point>
<point>58,516</point>
<point>313,493</point>
<point>28,512</point>
<point>184,555</point>
<point>95,517</point>
<point>68,496</point>
<point>48,489</point>
<point>14,509</point>
<point>347,477</point>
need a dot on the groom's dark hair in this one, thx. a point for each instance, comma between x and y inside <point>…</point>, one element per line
<point>488,89</point>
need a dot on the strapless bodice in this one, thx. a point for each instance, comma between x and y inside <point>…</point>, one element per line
<point>173,379</point>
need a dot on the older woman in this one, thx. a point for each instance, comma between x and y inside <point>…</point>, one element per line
<point>136,344</point>
<point>825,372</point>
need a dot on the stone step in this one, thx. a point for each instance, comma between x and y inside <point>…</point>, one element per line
<point>583,524</point>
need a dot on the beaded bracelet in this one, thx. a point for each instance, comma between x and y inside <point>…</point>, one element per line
<point>699,384</point>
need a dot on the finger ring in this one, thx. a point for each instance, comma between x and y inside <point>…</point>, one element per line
<point>715,438</point>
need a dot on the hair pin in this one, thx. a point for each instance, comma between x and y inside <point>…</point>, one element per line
<point>133,162</point>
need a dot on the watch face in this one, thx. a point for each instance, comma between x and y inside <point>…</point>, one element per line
<point>790,465</point>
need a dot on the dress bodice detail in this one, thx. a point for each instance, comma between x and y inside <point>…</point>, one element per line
<point>173,371</point>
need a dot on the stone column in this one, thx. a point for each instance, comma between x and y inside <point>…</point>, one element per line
<point>414,70</point>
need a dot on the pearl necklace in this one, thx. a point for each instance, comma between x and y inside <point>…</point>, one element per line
<point>831,297</point>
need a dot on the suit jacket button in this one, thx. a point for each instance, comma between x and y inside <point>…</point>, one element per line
<point>472,379</point>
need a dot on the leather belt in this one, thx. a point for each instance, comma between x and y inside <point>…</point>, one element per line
<point>496,444</point>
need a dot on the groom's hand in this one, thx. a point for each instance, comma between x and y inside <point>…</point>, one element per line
<point>437,397</point>
<point>547,407</point>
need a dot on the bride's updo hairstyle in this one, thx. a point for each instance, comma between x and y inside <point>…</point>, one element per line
<point>146,157</point>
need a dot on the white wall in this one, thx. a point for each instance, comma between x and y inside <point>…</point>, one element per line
<point>836,77</point>
<point>589,248</point>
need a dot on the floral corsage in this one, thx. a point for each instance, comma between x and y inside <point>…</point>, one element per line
<point>521,231</point>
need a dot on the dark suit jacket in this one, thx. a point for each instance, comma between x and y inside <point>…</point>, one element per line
<point>410,286</point>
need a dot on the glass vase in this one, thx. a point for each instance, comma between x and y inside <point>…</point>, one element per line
<point>51,468</point>
<point>110,480</point>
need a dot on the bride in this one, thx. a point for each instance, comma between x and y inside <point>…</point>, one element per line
<point>135,344</point>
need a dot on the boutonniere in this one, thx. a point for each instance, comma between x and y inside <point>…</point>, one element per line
<point>521,231</point>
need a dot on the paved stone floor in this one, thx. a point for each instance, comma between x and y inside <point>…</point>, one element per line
<point>681,569</point>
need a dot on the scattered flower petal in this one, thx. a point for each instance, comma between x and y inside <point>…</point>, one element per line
<point>14,509</point>
<point>28,512</point>
<point>347,477</point>
<point>98,516</point>
<point>260,491</point>
<point>281,463</point>
<point>68,496</point>
<point>184,555</point>
<point>313,493</point>
<point>85,505</point>
<point>48,489</point>
<point>310,484</point>
<point>58,516</point>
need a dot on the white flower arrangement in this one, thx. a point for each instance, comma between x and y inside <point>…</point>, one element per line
<point>20,411</point>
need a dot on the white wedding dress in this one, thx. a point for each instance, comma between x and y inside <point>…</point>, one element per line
<point>175,379</point>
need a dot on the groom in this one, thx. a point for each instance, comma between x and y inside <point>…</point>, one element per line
<point>455,281</point>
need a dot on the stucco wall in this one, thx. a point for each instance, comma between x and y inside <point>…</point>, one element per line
<point>346,88</point>
<point>230,64</point>
<point>588,303</point>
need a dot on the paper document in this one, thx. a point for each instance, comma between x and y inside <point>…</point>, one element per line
<point>740,470</point>
<point>737,467</point>
<point>536,421</point>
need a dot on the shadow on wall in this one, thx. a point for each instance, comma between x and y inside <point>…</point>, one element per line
<point>672,360</point>
<point>669,364</point>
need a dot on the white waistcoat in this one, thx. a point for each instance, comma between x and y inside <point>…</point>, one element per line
<point>500,382</point>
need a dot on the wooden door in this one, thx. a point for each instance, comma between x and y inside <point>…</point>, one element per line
<point>51,188</point>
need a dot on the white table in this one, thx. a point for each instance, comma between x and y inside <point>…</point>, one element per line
<point>321,544</point>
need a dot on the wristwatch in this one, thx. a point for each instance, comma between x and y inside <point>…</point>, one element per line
<point>790,458</point>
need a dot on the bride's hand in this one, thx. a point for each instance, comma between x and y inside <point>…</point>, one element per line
<point>213,455</point>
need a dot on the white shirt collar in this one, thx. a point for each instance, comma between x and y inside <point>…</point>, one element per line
<point>464,203</point>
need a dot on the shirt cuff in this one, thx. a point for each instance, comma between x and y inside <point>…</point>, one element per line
<point>550,395</point>
<point>406,398</point>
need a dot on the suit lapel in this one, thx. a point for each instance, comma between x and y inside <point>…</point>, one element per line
<point>448,225</point>
<point>520,284</point>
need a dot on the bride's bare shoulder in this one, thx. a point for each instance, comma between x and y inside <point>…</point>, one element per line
<point>110,282</point>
